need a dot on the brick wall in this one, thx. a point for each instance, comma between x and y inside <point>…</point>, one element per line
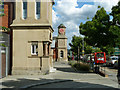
<point>6,20</point>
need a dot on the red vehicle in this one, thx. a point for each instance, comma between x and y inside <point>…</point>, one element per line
<point>100,57</point>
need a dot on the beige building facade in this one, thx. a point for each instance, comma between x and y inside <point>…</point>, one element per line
<point>32,36</point>
<point>61,46</point>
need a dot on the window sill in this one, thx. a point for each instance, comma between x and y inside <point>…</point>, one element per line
<point>34,56</point>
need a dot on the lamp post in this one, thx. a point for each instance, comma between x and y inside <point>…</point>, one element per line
<point>83,46</point>
<point>83,52</point>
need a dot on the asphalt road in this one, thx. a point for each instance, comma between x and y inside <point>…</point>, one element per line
<point>112,73</point>
<point>79,80</point>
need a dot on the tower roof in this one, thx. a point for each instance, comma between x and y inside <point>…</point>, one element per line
<point>61,26</point>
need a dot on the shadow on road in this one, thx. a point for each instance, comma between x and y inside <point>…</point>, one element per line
<point>70,70</point>
<point>65,84</point>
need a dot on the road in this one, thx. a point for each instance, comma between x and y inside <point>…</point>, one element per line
<point>78,80</point>
<point>112,73</point>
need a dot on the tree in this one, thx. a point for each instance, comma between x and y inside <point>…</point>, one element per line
<point>97,32</point>
<point>116,13</point>
<point>77,42</point>
<point>96,49</point>
<point>115,26</point>
<point>1,9</point>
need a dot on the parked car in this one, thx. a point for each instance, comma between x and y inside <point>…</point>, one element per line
<point>90,59</point>
<point>115,64</point>
<point>112,60</point>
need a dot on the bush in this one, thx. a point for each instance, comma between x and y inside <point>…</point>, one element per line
<point>72,62</point>
<point>82,66</point>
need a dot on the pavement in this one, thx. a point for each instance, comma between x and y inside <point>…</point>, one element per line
<point>63,74</point>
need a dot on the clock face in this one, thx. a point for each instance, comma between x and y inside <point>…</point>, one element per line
<point>61,31</point>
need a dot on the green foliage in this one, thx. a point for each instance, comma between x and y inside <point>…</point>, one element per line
<point>72,62</point>
<point>96,50</point>
<point>116,13</point>
<point>3,45</point>
<point>1,2</point>
<point>99,6</point>
<point>1,9</point>
<point>82,66</point>
<point>2,14</point>
<point>115,29</point>
<point>98,32</point>
<point>4,28</point>
<point>77,42</point>
<point>88,18</point>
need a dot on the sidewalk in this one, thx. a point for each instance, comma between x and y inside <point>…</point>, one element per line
<point>64,73</point>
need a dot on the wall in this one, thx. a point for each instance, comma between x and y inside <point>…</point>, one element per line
<point>28,30</point>
<point>45,14</point>
<point>22,58</point>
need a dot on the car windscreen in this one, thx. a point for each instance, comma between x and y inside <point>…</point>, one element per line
<point>100,55</point>
<point>114,58</point>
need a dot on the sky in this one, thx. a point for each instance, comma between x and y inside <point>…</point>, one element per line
<point>72,12</point>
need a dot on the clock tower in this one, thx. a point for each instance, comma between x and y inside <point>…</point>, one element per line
<point>61,44</point>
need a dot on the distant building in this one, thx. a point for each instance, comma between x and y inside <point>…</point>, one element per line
<point>6,17</point>
<point>60,50</point>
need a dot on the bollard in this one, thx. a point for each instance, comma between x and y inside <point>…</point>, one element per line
<point>97,69</point>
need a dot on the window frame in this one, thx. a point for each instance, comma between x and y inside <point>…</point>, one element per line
<point>23,14</point>
<point>36,15</point>
<point>34,49</point>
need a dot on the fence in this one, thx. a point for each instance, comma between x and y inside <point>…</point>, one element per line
<point>4,61</point>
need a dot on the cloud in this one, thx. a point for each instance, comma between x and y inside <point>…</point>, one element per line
<point>107,4</point>
<point>69,13</point>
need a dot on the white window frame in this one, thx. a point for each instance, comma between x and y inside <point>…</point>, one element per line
<point>35,46</point>
<point>36,9</point>
<point>22,10</point>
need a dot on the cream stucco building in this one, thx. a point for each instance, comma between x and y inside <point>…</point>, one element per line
<point>32,36</point>
<point>61,44</point>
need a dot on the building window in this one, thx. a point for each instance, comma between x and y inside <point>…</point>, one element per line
<point>61,54</point>
<point>1,8</point>
<point>43,49</point>
<point>34,48</point>
<point>37,11</point>
<point>24,10</point>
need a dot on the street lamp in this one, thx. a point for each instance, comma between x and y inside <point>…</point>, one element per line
<point>82,44</point>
